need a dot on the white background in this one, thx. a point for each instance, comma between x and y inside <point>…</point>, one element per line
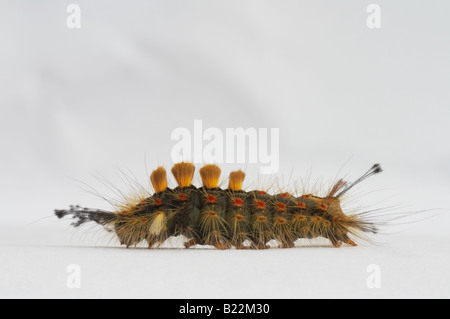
<point>75,103</point>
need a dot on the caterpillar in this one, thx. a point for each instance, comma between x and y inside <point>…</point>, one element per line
<point>226,218</point>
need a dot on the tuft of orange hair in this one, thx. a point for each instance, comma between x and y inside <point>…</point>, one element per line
<point>236,180</point>
<point>210,175</point>
<point>183,173</point>
<point>159,179</point>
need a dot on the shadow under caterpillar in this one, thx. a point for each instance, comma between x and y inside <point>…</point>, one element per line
<point>226,218</point>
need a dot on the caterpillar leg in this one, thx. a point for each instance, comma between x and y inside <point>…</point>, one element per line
<point>213,230</point>
<point>192,242</point>
<point>288,245</point>
<point>151,243</point>
<point>129,232</point>
<point>217,240</point>
<point>336,243</point>
<point>259,243</point>
<point>261,232</point>
<point>222,246</point>
<point>283,234</point>
<point>156,241</point>
<point>238,241</point>
<point>349,242</point>
<point>239,232</point>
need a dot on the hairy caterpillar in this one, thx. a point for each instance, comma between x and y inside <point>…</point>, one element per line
<point>226,218</point>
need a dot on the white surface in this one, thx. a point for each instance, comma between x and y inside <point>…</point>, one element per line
<point>74,102</point>
<point>34,260</point>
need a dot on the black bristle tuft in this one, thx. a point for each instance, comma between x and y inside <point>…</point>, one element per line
<point>84,215</point>
<point>375,169</point>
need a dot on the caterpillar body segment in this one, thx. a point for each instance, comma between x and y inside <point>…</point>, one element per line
<point>226,218</point>
<point>184,207</point>
<point>238,218</point>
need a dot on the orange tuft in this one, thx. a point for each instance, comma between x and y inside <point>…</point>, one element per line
<point>159,179</point>
<point>239,217</point>
<point>281,206</point>
<point>158,202</point>
<point>183,173</point>
<point>182,197</point>
<point>323,207</point>
<point>236,180</point>
<point>211,213</point>
<point>210,175</point>
<point>261,219</point>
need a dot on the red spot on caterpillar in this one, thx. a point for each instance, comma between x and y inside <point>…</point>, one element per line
<point>211,199</point>
<point>239,217</point>
<point>211,213</point>
<point>285,195</point>
<point>307,196</point>
<point>260,204</point>
<point>323,207</point>
<point>327,223</point>
<point>262,193</point>
<point>144,219</point>
<point>337,219</point>
<point>158,202</point>
<point>182,197</point>
<point>301,205</point>
<point>301,218</point>
<point>261,219</point>
<point>238,202</point>
<point>281,221</point>
<point>281,206</point>
<point>160,213</point>
<point>316,219</point>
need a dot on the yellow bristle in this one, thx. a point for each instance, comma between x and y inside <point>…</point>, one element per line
<point>158,223</point>
<point>159,179</point>
<point>236,180</point>
<point>183,173</point>
<point>210,175</point>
